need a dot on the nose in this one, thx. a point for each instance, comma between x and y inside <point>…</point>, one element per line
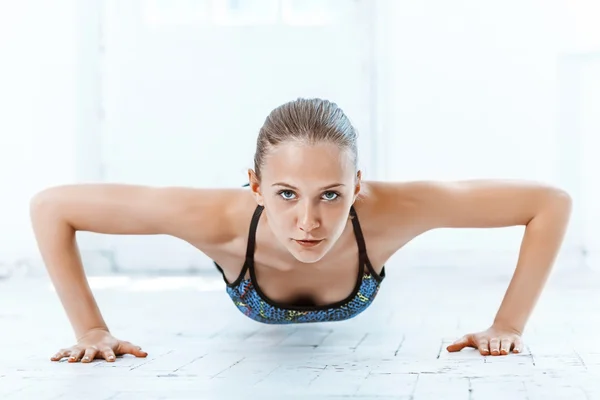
<point>308,219</point>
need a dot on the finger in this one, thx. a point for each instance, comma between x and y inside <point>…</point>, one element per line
<point>459,344</point>
<point>138,352</point>
<point>75,355</point>
<point>108,355</point>
<point>129,348</point>
<point>60,355</point>
<point>505,345</point>
<point>518,345</point>
<point>495,346</point>
<point>90,354</point>
<point>484,347</point>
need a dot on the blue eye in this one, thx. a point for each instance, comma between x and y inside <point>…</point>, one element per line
<point>290,195</point>
<point>286,194</point>
<point>329,196</point>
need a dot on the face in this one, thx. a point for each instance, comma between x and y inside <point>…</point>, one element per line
<point>307,192</point>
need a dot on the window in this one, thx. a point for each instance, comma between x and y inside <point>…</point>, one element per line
<point>245,12</point>
<point>311,12</point>
<point>176,12</point>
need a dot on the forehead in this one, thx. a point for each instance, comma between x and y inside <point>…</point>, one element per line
<point>308,164</point>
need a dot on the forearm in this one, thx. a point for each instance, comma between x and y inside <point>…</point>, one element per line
<point>57,244</point>
<point>540,245</point>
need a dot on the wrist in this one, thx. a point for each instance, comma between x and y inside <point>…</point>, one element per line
<point>507,326</point>
<point>89,331</point>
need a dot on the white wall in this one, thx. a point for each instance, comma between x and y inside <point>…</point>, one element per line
<point>154,92</point>
<point>588,121</point>
<point>474,93</point>
<point>39,113</point>
<point>183,97</point>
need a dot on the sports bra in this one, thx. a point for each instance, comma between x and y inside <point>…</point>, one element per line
<point>252,302</point>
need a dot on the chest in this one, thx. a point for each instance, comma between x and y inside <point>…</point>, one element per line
<point>286,281</point>
<point>314,285</point>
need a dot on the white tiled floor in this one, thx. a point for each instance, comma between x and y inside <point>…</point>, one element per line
<point>201,347</point>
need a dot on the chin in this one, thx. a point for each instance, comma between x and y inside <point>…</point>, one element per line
<point>307,255</point>
<point>307,258</point>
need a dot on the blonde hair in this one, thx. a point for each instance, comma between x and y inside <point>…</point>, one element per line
<point>306,121</point>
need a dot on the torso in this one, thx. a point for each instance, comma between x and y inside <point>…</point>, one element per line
<point>285,280</point>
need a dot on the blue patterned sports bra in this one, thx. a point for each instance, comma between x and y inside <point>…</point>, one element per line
<point>252,302</point>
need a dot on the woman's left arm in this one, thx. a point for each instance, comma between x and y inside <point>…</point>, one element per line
<point>541,242</point>
<point>543,210</point>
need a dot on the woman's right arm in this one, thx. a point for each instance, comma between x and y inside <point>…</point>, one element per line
<point>59,212</point>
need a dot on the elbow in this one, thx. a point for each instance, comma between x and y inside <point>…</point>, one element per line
<point>562,199</point>
<point>41,202</point>
<point>48,218</point>
<point>45,206</point>
<point>559,203</point>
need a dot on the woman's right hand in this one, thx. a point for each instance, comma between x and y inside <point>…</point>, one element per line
<point>98,343</point>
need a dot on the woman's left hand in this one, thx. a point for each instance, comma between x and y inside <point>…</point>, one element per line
<point>495,341</point>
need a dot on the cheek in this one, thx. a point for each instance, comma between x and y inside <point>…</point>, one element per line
<point>278,215</point>
<point>335,220</point>
<point>341,225</point>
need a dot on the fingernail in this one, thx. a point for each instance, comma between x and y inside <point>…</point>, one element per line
<point>86,358</point>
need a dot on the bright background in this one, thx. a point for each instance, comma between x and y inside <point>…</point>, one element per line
<point>173,92</point>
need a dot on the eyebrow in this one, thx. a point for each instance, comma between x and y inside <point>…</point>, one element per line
<point>295,188</point>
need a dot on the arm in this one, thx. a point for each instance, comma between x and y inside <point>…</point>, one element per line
<point>58,213</point>
<point>542,209</point>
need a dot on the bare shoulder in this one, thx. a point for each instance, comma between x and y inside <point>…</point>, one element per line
<point>209,217</point>
<point>419,206</point>
<point>206,217</point>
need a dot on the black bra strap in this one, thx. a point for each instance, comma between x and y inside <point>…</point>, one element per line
<point>360,240</point>
<point>252,234</point>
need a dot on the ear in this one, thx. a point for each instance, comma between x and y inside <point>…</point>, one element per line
<point>358,183</point>
<point>255,187</point>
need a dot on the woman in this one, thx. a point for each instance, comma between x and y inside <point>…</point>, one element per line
<point>308,241</point>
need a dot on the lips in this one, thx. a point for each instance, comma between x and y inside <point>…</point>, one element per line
<point>308,243</point>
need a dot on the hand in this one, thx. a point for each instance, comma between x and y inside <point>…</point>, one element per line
<point>98,343</point>
<point>495,341</point>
